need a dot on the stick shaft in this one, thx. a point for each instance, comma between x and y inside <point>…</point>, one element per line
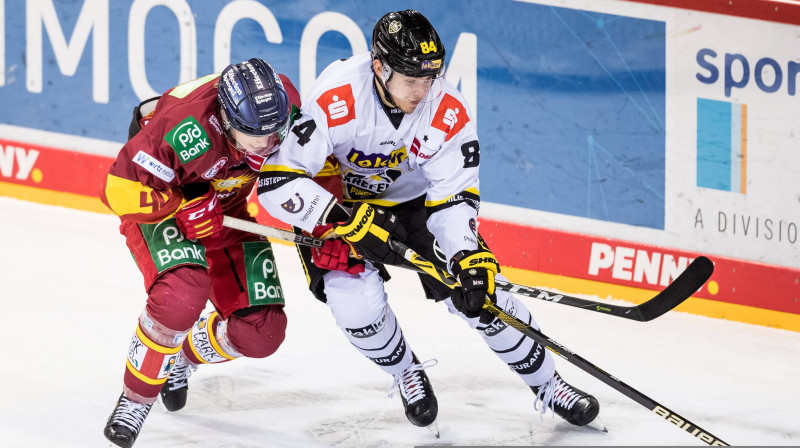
<point>423,265</point>
<point>573,358</point>
<point>676,293</point>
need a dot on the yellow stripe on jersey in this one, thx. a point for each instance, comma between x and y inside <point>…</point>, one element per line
<point>305,265</point>
<point>440,202</point>
<point>378,202</point>
<point>128,197</point>
<point>282,169</point>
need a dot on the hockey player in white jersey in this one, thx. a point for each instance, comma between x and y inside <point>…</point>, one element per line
<point>408,154</point>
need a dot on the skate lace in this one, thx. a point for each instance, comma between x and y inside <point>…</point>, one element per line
<point>179,376</point>
<point>555,393</point>
<point>130,414</point>
<point>411,381</point>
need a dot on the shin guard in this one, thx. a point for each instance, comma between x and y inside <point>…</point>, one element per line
<point>382,342</point>
<point>361,309</point>
<point>150,359</point>
<point>208,343</point>
<point>526,357</point>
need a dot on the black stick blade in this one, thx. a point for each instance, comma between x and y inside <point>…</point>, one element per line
<point>690,280</point>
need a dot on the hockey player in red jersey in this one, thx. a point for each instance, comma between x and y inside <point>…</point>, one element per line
<point>193,154</point>
<point>408,154</point>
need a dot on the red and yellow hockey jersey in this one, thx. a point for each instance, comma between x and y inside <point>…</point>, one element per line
<point>182,143</point>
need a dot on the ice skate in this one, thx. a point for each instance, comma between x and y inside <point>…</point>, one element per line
<point>173,394</point>
<point>571,404</point>
<point>125,422</point>
<point>416,391</point>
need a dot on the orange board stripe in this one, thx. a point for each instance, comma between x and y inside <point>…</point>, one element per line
<point>743,170</point>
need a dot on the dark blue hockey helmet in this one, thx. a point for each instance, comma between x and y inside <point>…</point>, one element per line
<point>253,97</point>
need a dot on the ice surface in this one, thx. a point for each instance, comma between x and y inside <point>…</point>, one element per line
<point>71,295</point>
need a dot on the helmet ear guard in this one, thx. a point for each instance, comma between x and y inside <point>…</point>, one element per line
<point>386,72</point>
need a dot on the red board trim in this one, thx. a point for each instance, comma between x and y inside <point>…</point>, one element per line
<point>784,11</point>
<point>573,255</point>
<point>549,251</point>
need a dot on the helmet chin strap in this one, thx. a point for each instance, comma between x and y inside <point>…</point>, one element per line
<point>386,75</point>
<point>227,128</point>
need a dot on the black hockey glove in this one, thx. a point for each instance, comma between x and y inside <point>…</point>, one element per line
<point>368,231</point>
<point>475,270</point>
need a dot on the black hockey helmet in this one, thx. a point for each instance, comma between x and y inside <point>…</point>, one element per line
<point>253,97</point>
<point>407,42</point>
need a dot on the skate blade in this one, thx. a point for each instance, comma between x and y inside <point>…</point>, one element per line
<point>434,428</point>
<point>160,405</point>
<point>597,424</point>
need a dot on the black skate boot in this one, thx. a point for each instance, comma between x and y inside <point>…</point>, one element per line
<point>125,422</point>
<point>417,394</point>
<point>571,404</point>
<point>173,394</point>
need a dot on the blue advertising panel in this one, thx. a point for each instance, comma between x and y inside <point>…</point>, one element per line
<point>570,104</point>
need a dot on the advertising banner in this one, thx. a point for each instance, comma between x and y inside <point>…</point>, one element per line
<point>642,135</point>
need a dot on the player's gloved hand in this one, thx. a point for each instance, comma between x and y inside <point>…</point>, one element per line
<point>368,231</point>
<point>475,270</point>
<point>334,254</point>
<point>201,217</point>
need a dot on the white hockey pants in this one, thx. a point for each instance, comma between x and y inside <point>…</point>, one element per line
<point>359,306</point>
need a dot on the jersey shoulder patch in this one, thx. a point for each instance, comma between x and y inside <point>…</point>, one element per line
<point>188,139</point>
<point>339,105</point>
<point>451,116</point>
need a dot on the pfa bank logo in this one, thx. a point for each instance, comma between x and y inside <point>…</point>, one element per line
<point>188,139</point>
<point>263,284</point>
<point>722,145</point>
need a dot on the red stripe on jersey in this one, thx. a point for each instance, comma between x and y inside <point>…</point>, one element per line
<point>415,146</point>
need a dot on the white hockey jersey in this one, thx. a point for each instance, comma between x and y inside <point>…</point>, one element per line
<point>433,151</point>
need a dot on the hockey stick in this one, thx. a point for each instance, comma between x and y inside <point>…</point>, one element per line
<point>690,280</point>
<point>605,377</point>
<point>272,232</point>
<point>429,268</point>
<point>686,284</point>
<point>573,358</point>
